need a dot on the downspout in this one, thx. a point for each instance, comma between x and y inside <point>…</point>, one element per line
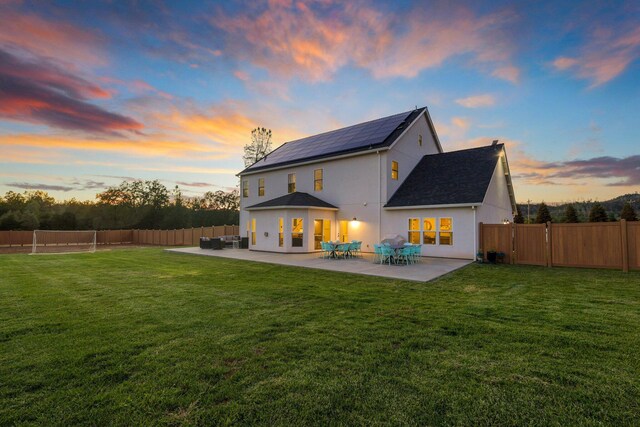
<point>379,197</point>
<point>475,233</point>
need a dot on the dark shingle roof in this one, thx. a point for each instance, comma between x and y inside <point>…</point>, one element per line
<point>293,199</point>
<point>377,133</point>
<point>457,177</point>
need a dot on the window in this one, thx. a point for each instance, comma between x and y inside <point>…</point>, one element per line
<point>394,170</point>
<point>420,140</point>
<point>292,182</point>
<point>429,231</point>
<point>260,186</point>
<point>296,232</point>
<point>253,231</point>
<point>245,188</point>
<point>414,231</point>
<point>317,180</point>
<point>280,232</point>
<point>446,231</point>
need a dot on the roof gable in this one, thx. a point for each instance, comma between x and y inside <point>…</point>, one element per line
<point>453,178</point>
<point>379,133</point>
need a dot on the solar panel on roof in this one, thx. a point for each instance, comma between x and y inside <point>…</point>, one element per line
<point>352,138</point>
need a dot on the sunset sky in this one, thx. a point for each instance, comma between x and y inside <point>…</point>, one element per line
<point>93,93</point>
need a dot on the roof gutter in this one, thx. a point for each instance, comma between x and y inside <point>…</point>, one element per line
<point>453,205</point>
<point>309,162</point>
<point>267,208</point>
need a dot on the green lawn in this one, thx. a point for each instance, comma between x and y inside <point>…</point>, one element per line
<point>142,337</point>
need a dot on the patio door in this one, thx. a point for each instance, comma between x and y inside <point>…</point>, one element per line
<point>321,232</point>
<point>344,231</point>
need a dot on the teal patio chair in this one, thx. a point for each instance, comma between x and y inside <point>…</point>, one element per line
<point>377,253</point>
<point>356,248</point>
<point>345,249</point>
<point>388,254</point>
<point>417,253</point>
<point>326,249</point>
<point>405,255</point>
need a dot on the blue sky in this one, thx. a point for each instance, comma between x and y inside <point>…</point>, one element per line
<point>92,93</point>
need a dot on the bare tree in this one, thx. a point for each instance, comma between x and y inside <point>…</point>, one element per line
<point>259,147</point>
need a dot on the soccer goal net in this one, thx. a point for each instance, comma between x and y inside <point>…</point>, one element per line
<point>56,241</point>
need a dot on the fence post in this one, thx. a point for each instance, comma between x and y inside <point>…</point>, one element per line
<point>625,245</point>
<point>548,248</point>
<point>513,244</point>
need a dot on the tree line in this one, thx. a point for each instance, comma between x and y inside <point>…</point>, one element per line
<point>597,213</point>
<point>130,205</point>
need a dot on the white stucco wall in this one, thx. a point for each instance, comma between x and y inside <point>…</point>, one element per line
<point>397,222</point>
<point>352,184</point>
<point>407,152</point>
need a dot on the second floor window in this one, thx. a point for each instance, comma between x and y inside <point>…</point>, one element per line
<point>245,188</point>
<point>317,180</point>
<point>292,183</point>
<point>394,170</point>
<point>260,186</point>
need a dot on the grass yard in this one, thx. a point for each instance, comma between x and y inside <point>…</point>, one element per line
<point>141,337</point>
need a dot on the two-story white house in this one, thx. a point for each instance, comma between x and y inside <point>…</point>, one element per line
<point>372,180</point>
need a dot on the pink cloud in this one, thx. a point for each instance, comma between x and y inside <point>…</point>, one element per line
<point>508,72</point>
<point>477,101</point>
<point>40,92</point>
<point>49,38</point>
<point>564,63</point>
<point>241,75</point>
<point>604,57</point>
<point>313,41</point>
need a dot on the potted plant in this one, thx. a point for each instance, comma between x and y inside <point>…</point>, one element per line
<point>480,256</point>
<point>500,257</point>
<point>491,256</point>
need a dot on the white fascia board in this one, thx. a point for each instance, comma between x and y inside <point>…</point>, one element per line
<point>454,205</point>
<point>310,162</point>
<point>267,208</point>
<point>431,127</point>
<point>406,129</point>
<point>512,195</point>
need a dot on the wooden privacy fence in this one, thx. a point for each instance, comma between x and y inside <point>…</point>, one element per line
<point>592,245</point>
<point>181,237</point>
<point>184,236</point>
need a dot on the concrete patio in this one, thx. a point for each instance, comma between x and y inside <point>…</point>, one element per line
<point>427,269</point>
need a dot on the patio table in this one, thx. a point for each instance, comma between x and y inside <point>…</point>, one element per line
<point>334,248</point>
